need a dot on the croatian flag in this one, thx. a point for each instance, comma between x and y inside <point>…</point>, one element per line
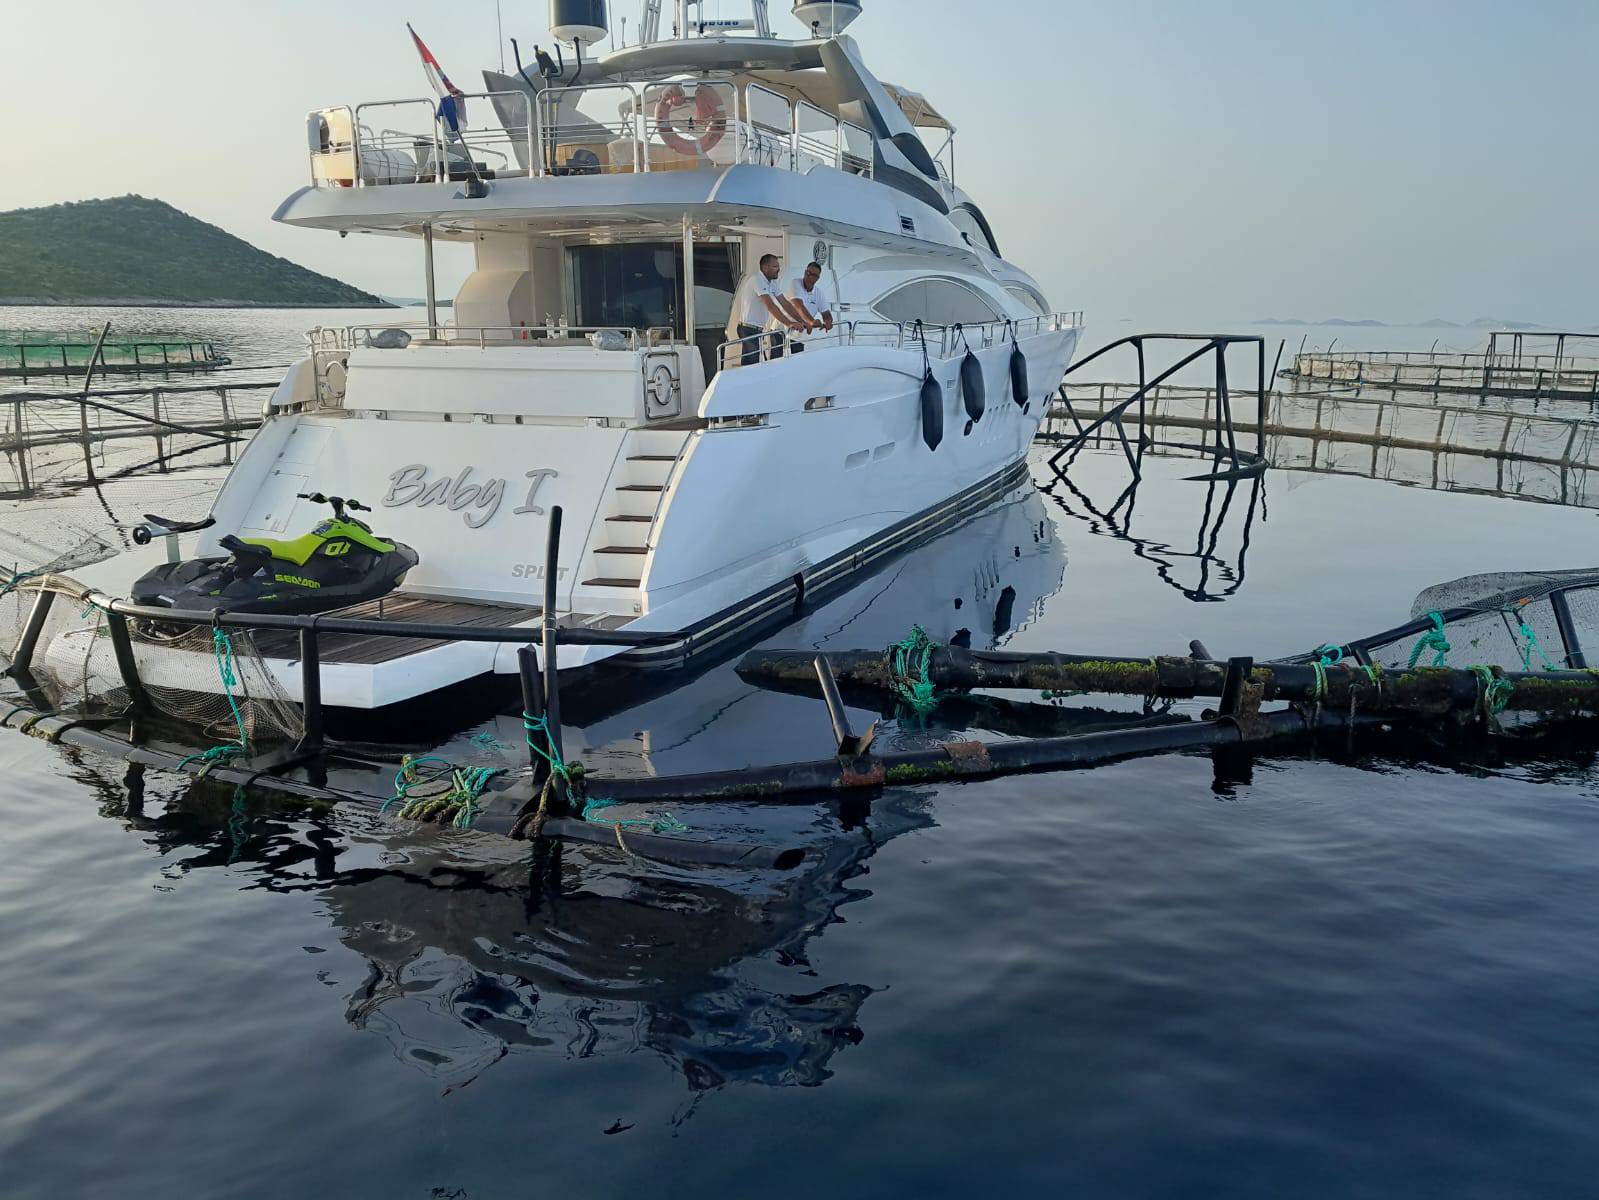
<point>452,101</point>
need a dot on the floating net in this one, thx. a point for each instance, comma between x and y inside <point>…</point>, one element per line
<point>194,665</point>
<point>220,683</point>
<point>1520,621</point>
<point>189,674</point>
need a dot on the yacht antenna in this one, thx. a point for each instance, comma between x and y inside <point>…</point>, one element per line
<point>499,34</point>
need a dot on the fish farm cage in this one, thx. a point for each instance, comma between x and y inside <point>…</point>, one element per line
<point>33,354</point>
<point>1494,449</point>
<point>1530,364</point>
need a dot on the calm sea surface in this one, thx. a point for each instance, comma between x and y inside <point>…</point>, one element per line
<point>1348,976</point>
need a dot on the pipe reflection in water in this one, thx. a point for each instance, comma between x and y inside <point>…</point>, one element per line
<point>1216,575</point>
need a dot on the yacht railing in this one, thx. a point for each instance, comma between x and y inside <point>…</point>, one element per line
<point>590,130</point>
<point>816,140</point>
<point>343,339</point>
<point>942,341</point>
<point>602,129</point>
<point>405,141</point>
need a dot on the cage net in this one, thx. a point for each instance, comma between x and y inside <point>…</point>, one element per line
<point>192,665</point>
<point>1509,622</point>
<point>185,670</point>
<point>214,687</point>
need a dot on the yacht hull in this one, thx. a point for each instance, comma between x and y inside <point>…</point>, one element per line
<point>798,477</point>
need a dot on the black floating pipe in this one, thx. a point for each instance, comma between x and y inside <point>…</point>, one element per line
<point>527,664</point>
<point>1427,691</point>
<point>311,736</point>
<point>552,685</point>
<point>691,852</point>
<point>127,665</point>
<point>955,761</point>
<point>22,660</point>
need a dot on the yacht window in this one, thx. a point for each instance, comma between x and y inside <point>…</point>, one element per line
<point>1033,301</point>
<point>637,285</point>
<point>970,228</point>
<point>936,302</point>
<point>630,287</point>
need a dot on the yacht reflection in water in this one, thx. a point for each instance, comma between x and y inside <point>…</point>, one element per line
<point>476,948</point>
<point>472,952</point>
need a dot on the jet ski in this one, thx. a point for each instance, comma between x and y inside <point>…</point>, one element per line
<point>339,563</point>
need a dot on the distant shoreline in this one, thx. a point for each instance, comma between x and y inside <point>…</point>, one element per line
<point>136,302</point>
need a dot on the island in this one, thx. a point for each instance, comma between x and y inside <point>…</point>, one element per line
<point>135,251</point>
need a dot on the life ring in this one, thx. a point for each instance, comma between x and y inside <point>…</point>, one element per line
<point>709,114</point>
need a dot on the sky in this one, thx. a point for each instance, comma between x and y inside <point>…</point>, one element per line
<point>1149,160</point>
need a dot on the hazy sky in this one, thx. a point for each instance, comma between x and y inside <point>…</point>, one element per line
<point>1169,160</point>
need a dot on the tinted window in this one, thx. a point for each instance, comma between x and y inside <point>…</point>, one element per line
<point>1033,301</point>
<point>636,286</point>
<point>936,302</point>
<point>971,229</point>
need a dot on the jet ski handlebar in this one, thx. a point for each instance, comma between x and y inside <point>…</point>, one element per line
<point>339,503</point>
<point>155,527</point>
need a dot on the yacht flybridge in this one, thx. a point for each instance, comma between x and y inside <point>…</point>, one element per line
<point>591,360</point>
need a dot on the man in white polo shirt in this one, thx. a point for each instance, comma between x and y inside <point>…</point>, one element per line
<point>811,301</point>
<point>758,302</point>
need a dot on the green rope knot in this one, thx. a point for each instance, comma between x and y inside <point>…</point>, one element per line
<point>1320,668</point>
<point>17,580</point>
<point>1433,640</point>
<point>573,774</point>
<point>213,756</point>
<point>1493,689</point>
<point>541,726</point>
<point>456,804</point>
<point>908,676</point>
<point>655,823</point>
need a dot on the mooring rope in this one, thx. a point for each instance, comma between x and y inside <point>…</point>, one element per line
<point>908,676</point>
<point>1493,692</point>
<point>573,775</point>
<point>1532,644</point>
<point>228,673</point>
<point>1433,640</point>
<point>457,806</point>
<point>17,580</point>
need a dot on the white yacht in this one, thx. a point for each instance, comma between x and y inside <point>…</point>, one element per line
<point>613,204</point>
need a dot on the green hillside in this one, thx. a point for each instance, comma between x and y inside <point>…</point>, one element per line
<point>136,251</point>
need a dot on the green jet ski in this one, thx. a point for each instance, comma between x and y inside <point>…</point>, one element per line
<point>339,563</point>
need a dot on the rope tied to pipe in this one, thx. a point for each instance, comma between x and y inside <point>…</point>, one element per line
<point>573,775</point>
<point>908,677</point>
<point>17,580</point>
<point>1531,644</point>
<point>228,672</point>
<point>1433,640</point>
<point>1493,693</point>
